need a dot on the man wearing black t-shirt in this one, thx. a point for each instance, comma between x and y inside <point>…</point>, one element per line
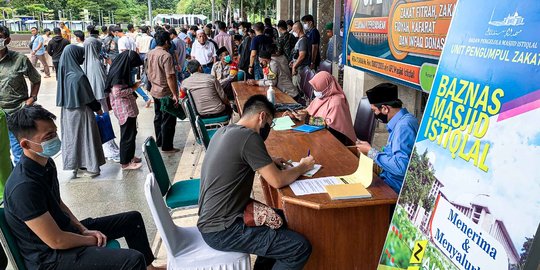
<point>48,234</point>
<point>226,188</point>
<point>314,37</point>
<point>259,43</point>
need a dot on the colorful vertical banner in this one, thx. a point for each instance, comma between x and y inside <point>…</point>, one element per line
<point>397,39</point>
<point>470,197</point>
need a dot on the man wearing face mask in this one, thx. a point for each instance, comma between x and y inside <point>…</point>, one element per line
<point>222,71</point>
<point>402,126</point>
<point>314,37</point>
<point>277,74</point>
<point>162,76</point>
<point>14,67</point>
<point>208,95</point>
<point>226,188</point>
<point>244,51</point>
<point>48,234</point>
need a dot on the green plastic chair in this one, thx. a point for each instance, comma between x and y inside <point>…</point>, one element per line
<point>180,195</point>
<point>204,134</point>
<point>219,121</point>
<point>12,248</point>
<point>191,117</point>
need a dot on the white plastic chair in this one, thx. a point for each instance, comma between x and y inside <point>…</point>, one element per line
<point>186,249</point>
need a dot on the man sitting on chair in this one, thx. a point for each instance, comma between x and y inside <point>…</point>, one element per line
<point>48,234</point>
<point>208,96</point>
<point>235,152</point>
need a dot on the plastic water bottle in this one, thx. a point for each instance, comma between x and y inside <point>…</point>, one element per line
<point>271,95</point>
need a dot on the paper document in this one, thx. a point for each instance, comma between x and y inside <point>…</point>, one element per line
<point>362,175</point>
<point>283,123</point>
<point>313,186</point>
<point>311,172</point>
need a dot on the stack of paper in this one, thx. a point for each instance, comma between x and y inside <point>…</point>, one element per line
<point>347,191</point>
<point>283,123</point>
<point>313,186</point>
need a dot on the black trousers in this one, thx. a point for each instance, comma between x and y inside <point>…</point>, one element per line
<point>164,126</point>
<point>280,249</point>
<point>128,134</point>
<point>129,225</point>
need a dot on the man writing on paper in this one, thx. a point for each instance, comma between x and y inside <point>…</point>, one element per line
<point>235,152</point>
<point>402,126</point>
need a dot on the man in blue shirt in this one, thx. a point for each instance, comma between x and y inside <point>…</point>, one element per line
<point>402,126</point>
<point>38,51</point>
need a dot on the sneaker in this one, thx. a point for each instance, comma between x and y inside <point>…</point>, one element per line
<point>131,166</point>
<point>115,158</point>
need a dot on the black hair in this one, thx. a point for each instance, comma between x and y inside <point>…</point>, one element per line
<point>172,31</point>
<point>104,29</point>
<point>397,104</point>
<point>194,28</point>
<point>79,34</point>
<point>193,66</point>
<point>290,23</point>
<point>33,27</point>
<point>117,29</point>
<point>46,30</point>
<point>308,18</point>
<point>238,37</point>
<point>183,30</point>
<point>130,26</point>
<point>167,27</point>
<point>258,103</point>
<point>259,27</point>
<point>245,25</point>
<point>162,37</point>
<point>90,28</point>
<point>282,25</point>
<point>57,31</point>
<point>144,28</point>
<point>4,30</point>
<point>222,26</point>
<point>23,122</point>
<point>267,21</point>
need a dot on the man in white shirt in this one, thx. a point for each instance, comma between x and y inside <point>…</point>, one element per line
<point>204,52</point>
<point>124,42</point>
<point>142,43</point>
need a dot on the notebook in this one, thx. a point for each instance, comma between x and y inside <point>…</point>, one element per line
<point>347,191</point>
<point>308,128</point>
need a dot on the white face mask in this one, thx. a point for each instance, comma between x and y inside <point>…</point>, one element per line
<point>341,33</point>
<point>318,95</point>
<point>241,32</point>
<point>295,34</point>
<point>2,44</point>
<point>306,26</point>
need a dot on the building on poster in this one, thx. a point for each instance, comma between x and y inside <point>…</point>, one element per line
<point>398,40</point>
<point>470,196</point>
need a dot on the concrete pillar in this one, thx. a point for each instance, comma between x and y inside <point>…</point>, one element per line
<point>283,8</point>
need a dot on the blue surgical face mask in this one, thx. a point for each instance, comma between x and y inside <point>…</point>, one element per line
<point>228,59</point>
<point>50,147</point>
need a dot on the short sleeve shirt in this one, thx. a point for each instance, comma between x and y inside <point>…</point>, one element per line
<point>14,67</point>
<point>159,66</point>
<point>31,191</point>
<point>35,44</point>
<point>234,154</point>
<point>259,42</point>
<point>302,45</point>
<point>126,43</point>
<point>315,39</point>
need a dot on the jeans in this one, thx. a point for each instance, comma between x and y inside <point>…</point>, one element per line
<point>257,70</point>
<point>129,225</point>
<point>164,126</point>
<point>139,90</point>
<point>16,149</point>
<point>275,249</point>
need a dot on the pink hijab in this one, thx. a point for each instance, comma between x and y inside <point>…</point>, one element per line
<point>333,106</point>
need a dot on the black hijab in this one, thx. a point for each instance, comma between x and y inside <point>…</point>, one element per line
<point>120,71</point>
<point>73,88</point>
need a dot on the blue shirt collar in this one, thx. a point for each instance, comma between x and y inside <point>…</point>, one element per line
<point>393,122</point>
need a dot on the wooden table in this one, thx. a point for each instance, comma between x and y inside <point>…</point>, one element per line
<point>345,234</point>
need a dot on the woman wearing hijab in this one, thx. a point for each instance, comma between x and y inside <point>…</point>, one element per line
<point>123,102</point>
<point>95,72</point>
<point>330,106</point>
<point>81,142</point>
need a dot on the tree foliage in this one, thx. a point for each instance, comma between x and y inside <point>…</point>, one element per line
<point>418,182</point>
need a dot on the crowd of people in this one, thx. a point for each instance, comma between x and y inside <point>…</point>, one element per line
<point>100,73</point>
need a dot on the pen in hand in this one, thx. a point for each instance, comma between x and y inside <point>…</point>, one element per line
<point>308,152</point>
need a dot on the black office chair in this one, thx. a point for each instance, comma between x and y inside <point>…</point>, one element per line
<point>306,87</point>
<point>326,65</point>
<point>364,122</point>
